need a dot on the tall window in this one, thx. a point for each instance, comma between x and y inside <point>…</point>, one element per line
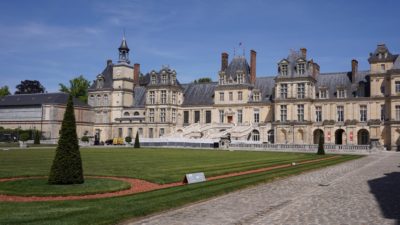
<point>221,96</point>
<point>140,131</point>
<point>284,69</point>
<point>152,98</point>
<point>397,112</point>
<point>153,79</point>
<point>240,116</point>
<point>162,115</point>
<point>318,113</point>
<point>283,113</point>
<point>383,68</point>
<point>300,113</point>
<point>230,96</point>
<point>130,132</point>
<point>221,116</point>
<point>186,117</point>
<point>151,115</point>
<point>382,112</point>
<point>256,96</point>
<point>162,131</point>
<point>164,79</point>
<point>300,90</point>
<point>221,79</point>
<point>255,135</point>
<point>301,68</point>
<point>173,115</point>
<point>284,91</point>
<point>240,95</point>
<point>197,116</point>
<point>105,99</point>
<point>397,84</point>
<point>120,132</point>
<point>151,133</point>
<point>341,93</point>
<point>163,97</point>
<point>256,115</point>
<point>174,97</point>
<point>208,116</point>
<point>240,78</point>
<point>363,113</point>
<point>340,113</point>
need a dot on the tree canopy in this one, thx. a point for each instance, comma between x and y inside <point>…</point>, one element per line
<point>4,91</point>
<point>203,80</point>
<point>29,87</point>
<point>78,88</point>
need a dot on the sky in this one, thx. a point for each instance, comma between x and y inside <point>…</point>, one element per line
<point>54,41</point>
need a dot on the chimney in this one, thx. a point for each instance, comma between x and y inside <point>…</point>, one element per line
<point>136,71</point>
<point>253,55</point>
<point>109,62</point>
<point>224,61</point>
<point>303,52</point>
<point>354,70</point>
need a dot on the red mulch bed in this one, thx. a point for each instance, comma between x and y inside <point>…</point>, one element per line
<point>137,185</point>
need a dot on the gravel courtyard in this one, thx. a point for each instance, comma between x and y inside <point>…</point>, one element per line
<point>363,191</point>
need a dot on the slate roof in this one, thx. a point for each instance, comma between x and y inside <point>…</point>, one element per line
<point>199,94</point>
<point>266,86</point>
<point>107,77</point>
<point>140,96</point>
<point>396,65</point>
<point>341,79</point>
<point>238,63</point>
<point>38,99</point>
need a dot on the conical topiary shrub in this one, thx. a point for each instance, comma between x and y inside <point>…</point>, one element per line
<point>67,164</point>
<point>321,150</point>
<point>37,138</point>
<point>137,143</point>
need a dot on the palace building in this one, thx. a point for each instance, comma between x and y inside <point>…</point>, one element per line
<point>297,105</point>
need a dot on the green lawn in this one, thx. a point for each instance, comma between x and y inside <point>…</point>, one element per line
<point>161,165</point>
<point>39,187</point>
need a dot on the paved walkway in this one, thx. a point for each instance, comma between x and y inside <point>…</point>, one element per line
<point>363,191</point>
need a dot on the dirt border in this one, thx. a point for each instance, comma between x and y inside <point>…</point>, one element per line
<point>137,185</point>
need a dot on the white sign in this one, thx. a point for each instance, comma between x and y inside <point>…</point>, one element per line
<point>191,178</point>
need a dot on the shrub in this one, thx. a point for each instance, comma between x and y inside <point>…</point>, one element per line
<point>24,137</point>
<point>109,141</point>
<point>137,143</point>
<point>321,150</point>
<point>85,138</point>
<point>37,138</point>
<point>67,164</point>
<point>128,139</point>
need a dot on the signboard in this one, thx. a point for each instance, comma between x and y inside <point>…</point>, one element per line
<point>191,178</point>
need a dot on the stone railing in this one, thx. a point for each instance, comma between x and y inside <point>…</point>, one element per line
<point>310,148</point>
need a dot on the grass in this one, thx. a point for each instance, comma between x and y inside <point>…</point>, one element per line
<point>39,187</point>
<point>160,165</point>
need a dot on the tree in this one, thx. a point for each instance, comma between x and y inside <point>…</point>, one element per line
<point>4,91</point>
<point>203,80</point>
<point>67,164</point>
<point>37,138</point>
<point>321,150</point>
<point>78,88</point>
<point>128,139</point>
<point>137,143</point>
<point>24,137</point>
<point>29,87</point>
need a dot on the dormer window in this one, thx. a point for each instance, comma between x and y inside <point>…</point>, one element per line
<point>301,68</point>
<point>153,79</point>
<point>173,78</point>
<point>341,93</point>
<point>164,79</point>
<point>240,78</point>
<point>284,69</point>
<point>221,79</point>
<point>322,94</point>
<point>100,81</point>
<point>256,96</point>
<point>383,68</point>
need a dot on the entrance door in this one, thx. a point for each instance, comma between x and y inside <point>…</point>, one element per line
<point>230,119</point>
<point>339,136</point>
<point>363,137</point>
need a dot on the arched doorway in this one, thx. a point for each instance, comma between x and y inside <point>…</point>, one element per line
<point>254,135</point>
<point>363,137</point>
<point>270,135</point>
<point>317,135</point>
<point>339,136</point>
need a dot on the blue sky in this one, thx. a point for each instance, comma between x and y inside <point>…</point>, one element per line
<point>55,41</point>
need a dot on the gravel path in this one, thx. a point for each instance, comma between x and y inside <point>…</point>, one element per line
<point>363,191</point>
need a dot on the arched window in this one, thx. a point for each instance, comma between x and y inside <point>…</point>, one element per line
<point>98,100</point>
<point>105,99</point>
<point>91,100</point>
<point>126,113</point>
<point>255,135</point>
<point>270,135</point>
<point>136,113</point>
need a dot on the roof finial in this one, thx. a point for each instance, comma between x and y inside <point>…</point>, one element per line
<point>123,37</point>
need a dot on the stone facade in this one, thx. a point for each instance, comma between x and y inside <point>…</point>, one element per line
<point>294,106</point>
